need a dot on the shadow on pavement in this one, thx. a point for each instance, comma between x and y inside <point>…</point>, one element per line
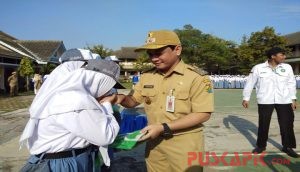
<point>246,127</point>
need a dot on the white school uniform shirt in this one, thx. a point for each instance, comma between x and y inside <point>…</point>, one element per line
<point>273,86</point>
<point>65,113</point>
<point>75,130</point>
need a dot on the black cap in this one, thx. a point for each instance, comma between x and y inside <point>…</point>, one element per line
<point>274,51</point>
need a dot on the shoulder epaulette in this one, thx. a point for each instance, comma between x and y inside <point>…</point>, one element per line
<point>197,70</point>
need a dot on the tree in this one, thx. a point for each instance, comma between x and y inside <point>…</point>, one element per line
<point>191,40</point>
<point>101,50</point>
<point>25,70</point>
<point>252,50</point>
<point>205,51</point>
<point>143,62</point>
<point>217,55</point>
<point>244,58</point>
<point>48,68</point>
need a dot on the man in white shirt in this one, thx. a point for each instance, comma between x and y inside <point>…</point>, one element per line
<point>275,88</point>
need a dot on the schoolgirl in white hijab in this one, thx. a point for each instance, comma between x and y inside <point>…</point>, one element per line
<point>65,116</point>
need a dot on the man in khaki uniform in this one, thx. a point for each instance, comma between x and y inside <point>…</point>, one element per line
<point>177,100</point>
<point>13,84</point>
<point>37,80</point>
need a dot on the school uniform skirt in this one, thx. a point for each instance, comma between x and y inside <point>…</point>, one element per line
<point>74,160</point>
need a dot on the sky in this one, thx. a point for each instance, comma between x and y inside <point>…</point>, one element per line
<point>125,23</point>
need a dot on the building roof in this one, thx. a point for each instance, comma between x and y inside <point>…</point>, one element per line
<point>43,49</point>
<point>293,38</point>
<point>6,36</point>
<point>7,52</point>
<point>11,45</point>
<point>14,46</point>
<point>126,53</point>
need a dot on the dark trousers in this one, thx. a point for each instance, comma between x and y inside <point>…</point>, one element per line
<point>285,115</point>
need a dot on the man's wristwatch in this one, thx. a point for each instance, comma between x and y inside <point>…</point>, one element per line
<point>167,133</point>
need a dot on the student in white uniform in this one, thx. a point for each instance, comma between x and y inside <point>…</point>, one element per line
<point>275,88</point>
<point>67,123</point>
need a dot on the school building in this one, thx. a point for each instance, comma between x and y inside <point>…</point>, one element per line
<point>293,42</point>
<point>12,50</point>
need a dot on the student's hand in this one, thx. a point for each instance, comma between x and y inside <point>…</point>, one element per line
<point>120,98</point>
<point>112,99</point>
<point>245,103</point>
<point>151,131</point>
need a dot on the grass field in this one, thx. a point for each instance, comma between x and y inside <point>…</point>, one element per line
<point>233,97</point>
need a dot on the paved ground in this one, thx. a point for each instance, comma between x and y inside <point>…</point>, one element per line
<point>11,126</point>
<point>230,129</point>
<point>8,104</point>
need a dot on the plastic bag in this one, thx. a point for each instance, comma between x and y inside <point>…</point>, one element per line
<point>127,141</point>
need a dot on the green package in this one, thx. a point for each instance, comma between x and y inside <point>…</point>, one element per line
<point>127,141</point>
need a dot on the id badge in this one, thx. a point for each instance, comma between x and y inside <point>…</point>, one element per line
<point>170,104</point>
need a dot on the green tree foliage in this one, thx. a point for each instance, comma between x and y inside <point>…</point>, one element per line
<point>213,54</point>
<point>143,62</point>
<point>252,50</point>
<point>26,70</point>
<point>216,55</point>
<point>48,68</point>
<point>205,51</point>
<point>101,50</point>
<point>190,40</point>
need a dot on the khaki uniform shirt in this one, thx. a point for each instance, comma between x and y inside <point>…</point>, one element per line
<point>12,80</point>
<point>37,79</point>
<point>193,93</point>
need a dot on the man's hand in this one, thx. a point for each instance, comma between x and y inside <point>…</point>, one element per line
<point>126,101</point>
<point>294,105</point>
<point>245,103</point>
<point>152,131</point>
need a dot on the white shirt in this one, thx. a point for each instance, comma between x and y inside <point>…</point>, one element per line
<point>75,130</point>
<point>273,86</point>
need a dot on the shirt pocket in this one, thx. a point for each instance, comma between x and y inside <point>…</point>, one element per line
<point>182,103</point>
<point>149,95</point>
<point>283,79</point>
<point>264,78</point>
<point>182,95</point>
<point>264,74</point>
<point>283,76</point>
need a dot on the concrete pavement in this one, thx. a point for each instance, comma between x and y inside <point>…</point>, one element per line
<point>230,129</point>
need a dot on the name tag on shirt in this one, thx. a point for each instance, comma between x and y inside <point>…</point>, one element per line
<point>148,86</point>
<point>170,104</point>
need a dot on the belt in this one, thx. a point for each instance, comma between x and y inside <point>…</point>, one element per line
<point>65,154</point>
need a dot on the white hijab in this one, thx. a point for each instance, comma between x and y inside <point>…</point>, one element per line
<point>67,89</point>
